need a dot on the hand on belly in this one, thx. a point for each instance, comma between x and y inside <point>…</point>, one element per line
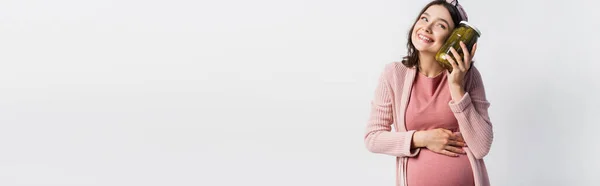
<point>440,140</point>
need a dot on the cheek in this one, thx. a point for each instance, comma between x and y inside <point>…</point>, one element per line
<point>418,25</point>
<point>414,30</point>
<point>413,35</point>
<point>442,38</point>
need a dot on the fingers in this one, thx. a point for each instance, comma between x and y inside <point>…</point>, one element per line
<point>451,136</point>
<point>467,57</point>
<point>445,131</point>
<point>446,142</point>
<point>473,50</point>
<point>458,137</point>
<point>452,62</point>
<point>448,153</point>
<point>455,149</point>
<point>456,143</point>
<point>458,59</point>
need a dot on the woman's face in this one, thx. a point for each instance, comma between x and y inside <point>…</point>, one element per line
<point>432,29</point>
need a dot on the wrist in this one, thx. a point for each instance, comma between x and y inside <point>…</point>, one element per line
<point>457,92</point>
<point>455,86</point>
<point>419,139</point>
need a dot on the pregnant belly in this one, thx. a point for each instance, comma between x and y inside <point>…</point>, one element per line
<point>430,168</point>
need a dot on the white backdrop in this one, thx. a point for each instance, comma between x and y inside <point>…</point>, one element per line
<point>266,92</point>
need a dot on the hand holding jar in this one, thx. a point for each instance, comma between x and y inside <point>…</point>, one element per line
<point>460,64</point>
<point>461,44</point>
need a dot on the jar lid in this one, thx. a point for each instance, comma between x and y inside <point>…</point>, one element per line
<point>470,25</point>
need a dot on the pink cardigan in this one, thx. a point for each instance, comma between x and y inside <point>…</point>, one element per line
<point>389,106</point>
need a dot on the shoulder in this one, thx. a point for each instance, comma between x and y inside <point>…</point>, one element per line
<point>395,69</point>
<point>395,74</point>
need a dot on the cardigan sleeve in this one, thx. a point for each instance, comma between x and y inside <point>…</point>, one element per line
<point>378,135</point>
<point>472,115</point>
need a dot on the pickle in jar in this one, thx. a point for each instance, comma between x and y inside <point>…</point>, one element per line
<point>466,33</point>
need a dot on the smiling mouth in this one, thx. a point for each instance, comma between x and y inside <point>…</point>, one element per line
<point>424,38</point>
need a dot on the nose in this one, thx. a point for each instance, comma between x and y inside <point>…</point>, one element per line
<point>427,28</point>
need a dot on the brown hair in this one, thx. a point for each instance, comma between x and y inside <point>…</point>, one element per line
<point>412,57</point>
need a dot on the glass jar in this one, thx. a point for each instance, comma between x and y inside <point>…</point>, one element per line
<point>466,33</point>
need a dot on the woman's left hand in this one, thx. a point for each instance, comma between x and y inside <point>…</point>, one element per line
<point>461,65</point>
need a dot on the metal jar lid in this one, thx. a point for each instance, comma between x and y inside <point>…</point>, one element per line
<point>469,25</point>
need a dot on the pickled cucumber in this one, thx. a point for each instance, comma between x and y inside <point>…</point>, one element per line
<point>465,33</point>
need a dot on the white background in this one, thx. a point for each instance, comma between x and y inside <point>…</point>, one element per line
<point>266,92</point>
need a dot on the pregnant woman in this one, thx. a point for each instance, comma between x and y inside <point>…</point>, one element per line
<point>442,127</point>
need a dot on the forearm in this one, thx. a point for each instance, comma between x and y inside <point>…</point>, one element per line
<point>390,143</point>
<point>457,92</point>
<point>470,107</point>
<point>474,124</point>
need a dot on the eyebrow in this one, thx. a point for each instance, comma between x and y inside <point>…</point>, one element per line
<point>425,13</point>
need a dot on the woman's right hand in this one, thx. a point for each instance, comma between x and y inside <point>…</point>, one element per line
<point>441,141</point>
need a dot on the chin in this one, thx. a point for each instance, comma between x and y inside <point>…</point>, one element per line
<point>426,50</point>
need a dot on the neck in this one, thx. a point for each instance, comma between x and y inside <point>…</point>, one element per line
<point>428,66</point>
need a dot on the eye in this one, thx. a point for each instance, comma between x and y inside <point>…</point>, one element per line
<point>442,26</point>
<point>424,19</point>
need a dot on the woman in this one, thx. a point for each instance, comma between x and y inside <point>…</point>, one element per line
<point>442,127</point>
